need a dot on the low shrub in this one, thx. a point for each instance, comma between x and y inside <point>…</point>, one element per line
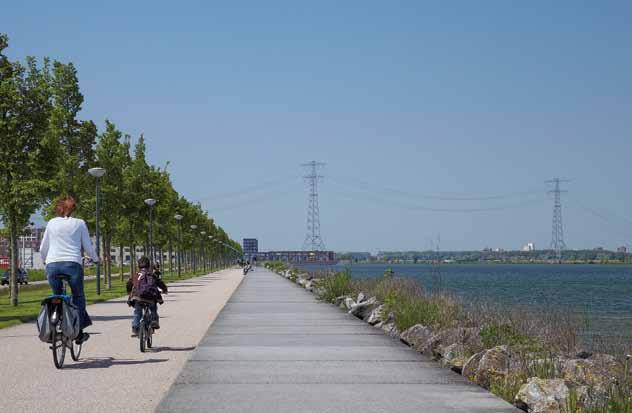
<point>335,285</point>
<point>494,335</point>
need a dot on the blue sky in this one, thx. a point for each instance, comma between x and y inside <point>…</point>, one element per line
<point>400,99</point>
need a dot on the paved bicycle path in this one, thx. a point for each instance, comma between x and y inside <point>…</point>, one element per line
<point>275,348</point>
<point>113,376</point>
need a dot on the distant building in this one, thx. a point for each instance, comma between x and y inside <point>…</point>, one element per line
<point>298,257</point>
<point>250,247</point>
<point>622,249</point>
<point>530,247</point>
<point>28,248</point>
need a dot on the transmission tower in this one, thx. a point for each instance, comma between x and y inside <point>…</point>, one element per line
<point>437,279</point>
<point>557,233</point>
<point>313,240</point>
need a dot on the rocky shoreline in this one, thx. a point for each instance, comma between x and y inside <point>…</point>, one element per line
<point>546,384</point>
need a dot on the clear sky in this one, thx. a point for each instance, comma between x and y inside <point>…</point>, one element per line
<point>402,100</point>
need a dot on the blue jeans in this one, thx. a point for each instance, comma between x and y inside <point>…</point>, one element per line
<point>138,313</point>
<point>74,272</point>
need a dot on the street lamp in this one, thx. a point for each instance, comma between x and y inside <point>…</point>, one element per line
<point>150,202</point>
<point>97,173</point>
<point>179,218</point>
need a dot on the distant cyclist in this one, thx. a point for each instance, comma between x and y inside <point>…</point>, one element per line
<point>61,247</point>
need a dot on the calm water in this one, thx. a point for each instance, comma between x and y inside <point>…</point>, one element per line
<point>603,292</point>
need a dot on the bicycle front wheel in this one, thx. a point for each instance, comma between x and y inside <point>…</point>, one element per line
<point>142,333</point>
<point>58,346</point>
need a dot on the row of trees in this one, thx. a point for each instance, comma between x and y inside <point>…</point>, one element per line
<point>46,151</point>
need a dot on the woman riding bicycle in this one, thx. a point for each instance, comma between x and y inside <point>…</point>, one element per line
<point>61,246</point>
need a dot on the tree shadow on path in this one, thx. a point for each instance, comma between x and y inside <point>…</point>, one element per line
<point>107,362</point>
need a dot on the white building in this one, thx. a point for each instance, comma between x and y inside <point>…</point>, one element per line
<point>530,247</point>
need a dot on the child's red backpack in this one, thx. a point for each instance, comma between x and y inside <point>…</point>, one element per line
<point>147,286</point>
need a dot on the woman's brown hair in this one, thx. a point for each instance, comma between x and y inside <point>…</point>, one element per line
<point>65,206</point>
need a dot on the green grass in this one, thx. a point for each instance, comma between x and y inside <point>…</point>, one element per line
<point>336,285</point>
<point>30,297</point>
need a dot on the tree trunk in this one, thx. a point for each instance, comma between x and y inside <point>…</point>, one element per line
<point>132,262</point>
<point>13,240</point>
<point>170,257</point>
<point>121,259</point>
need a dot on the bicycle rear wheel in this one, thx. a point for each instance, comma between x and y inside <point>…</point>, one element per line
<point>58,346</point>
<point>142,332</point>
<point>149,337</point>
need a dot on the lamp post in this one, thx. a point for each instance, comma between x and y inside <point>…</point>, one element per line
<point>178,218</point>
<point>97,173</point>
<point>194,227</point>
<point>150,202</point>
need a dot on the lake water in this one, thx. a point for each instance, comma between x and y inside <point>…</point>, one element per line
<point>603,292</point>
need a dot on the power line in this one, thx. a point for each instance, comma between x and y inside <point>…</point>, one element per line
<point>416,207</point>
<point>313,240</point>
<point>436,197</point>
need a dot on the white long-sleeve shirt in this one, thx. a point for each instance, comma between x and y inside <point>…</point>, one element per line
<point>63,240</point>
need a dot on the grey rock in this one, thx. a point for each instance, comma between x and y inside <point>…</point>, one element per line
<point>390,329</point>
<point>363,310</point>
<point>494,363</point>
<point>361,297</point>
<point>548,395</point>
<point>418,337</point>
<point>339,300</point>
<point>471,365</point>
<point>376,315</point>
<point>453,357</point>
<point>349,303</point>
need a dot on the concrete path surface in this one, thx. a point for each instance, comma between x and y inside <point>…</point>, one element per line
<point>275,348</point>
<point>113,375</point>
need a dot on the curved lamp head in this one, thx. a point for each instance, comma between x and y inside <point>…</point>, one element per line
<point>203,232</point>
<point>96,172</point>
<point>193,226</point>
<point>210,237</point>
<point>178,217</point>
<point>150,201</point>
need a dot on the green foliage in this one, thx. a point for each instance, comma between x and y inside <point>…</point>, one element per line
<point>498,334</point>
<point>46,153</point>
<point>436,312</point>
<point>335,285</point>
<point>507,386</point>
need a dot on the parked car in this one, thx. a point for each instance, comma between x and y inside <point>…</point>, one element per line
<point>22,277</point>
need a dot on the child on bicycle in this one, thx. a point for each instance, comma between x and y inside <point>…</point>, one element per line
<point>145,286</point>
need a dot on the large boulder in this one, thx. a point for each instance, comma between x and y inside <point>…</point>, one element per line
<point>453,357</point>
<point>376,315</point>
<point>469,338</point>
<point>418,337</point>
<point>390,328</point>
<point>363,309</point>
<point>599,371</point>
<point>349,303</point>
<point>550,396</point>
<point>471,366</point>
<point>493,363</point>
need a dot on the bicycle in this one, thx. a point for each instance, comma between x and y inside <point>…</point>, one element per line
<point>60,342</point>
<point>145,329</point>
